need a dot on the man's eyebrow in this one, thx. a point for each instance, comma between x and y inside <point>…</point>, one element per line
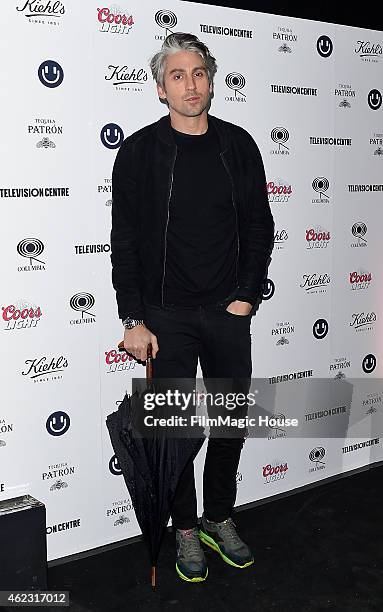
<point>183,70</point>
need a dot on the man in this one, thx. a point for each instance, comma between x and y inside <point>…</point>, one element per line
<point>191,239</point>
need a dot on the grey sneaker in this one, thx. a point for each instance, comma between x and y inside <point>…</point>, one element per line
<point>191,563</point>
<point>224,538</point>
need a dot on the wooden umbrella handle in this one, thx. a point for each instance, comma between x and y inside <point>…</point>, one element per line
<point>149,360</point>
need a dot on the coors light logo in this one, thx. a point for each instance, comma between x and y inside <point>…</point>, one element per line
<point>359,280</point>
<point>114,20</point>
<point>276,470</point>
<point>278,193</point>
<point>317,238</point>
<point>20,315</point>
<point>118,361</point>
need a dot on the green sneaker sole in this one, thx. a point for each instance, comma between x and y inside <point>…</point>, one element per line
<point>210,542</point>
<point>196,579</point>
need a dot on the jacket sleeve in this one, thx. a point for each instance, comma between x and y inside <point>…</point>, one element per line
<point>125,236</point>
<point>258,238</point>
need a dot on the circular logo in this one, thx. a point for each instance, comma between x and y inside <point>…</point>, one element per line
<point>317,453</point>
<point>111,136</point>
<point>30,248</point>
<point>58,423</point>
<point>359,229</point>
<point>369,363</point>
<point>235,81</point>
<point>320,184</point>
<point>279,135</point>
<point>324,46</point>
<point>165,19</point>
<point>374,99</point>
<point>114,466</point>
<point>82,301</point>
<point>268,289</point>
<point>320,329</point>
<point>50,73</point>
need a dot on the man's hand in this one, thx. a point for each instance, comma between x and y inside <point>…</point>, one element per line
<point>136,342</point>
<point>239,308</point>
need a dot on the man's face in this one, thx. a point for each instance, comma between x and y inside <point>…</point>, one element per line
<point>186,85</point>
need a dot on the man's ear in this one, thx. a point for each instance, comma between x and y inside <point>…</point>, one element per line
<point>161,92</point>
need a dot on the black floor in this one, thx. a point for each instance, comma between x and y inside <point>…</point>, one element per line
<point>321,549</point>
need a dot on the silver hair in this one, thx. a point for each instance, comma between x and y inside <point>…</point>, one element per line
<point>180,41</point>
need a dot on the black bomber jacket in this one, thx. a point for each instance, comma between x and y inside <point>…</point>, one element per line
<point>141,191</point>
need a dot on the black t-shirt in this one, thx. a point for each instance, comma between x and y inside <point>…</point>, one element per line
<point>201,245</point>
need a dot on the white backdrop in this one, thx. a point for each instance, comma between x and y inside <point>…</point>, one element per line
<point>59,326</point>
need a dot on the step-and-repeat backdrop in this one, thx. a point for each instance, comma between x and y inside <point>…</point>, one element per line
<point>75,83</point>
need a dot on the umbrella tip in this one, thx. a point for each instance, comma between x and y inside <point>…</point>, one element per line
<point>153,576</point>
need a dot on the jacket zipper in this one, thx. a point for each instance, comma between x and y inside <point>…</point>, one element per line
<point>236,212</point>
<point>167,223</point>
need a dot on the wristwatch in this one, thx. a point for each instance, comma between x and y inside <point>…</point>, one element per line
<point>129,323</point>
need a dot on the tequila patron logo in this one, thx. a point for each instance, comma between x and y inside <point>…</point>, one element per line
<point>31,249</point>
<point>282,330</point>
<point>44,129</point>
<point>345,92</point>
<point>377,142</point>
<point>114,20</point>
<point>285,36</point>
<point>338,365</point>
<point>167,20</point>
<point>280,136</point>
<point>105,188</point>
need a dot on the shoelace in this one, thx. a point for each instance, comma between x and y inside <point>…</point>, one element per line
<point>227,527</point>
<point>190,542</point>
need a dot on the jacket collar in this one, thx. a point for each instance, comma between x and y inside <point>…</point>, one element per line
<point>166,135</point>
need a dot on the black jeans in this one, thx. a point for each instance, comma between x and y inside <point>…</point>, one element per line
<point>222,342</point>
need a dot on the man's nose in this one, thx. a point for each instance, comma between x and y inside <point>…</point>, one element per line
<point>190,82</point>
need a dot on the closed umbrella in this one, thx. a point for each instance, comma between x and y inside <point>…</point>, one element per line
<point>151,466</point>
